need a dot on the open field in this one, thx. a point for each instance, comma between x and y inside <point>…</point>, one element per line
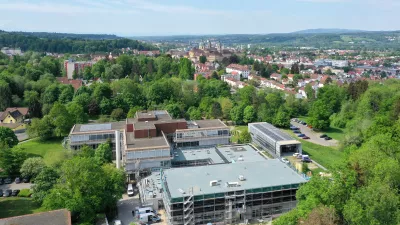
<point>17,206</point>
<point>51,151</point>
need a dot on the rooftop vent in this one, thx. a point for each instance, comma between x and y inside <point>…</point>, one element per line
<point>232,184</point>
<point>242,178</point>
<point>240,159</point>
<point>181,191</point>
<point>213,183</point>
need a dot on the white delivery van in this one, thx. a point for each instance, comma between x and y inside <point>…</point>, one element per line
<point>130,190</point>
<point>145,210</point>
<point>146,217</point>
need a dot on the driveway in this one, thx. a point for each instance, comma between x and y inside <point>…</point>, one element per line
<point>22,136</point>
<point>125,207</point>
<point>314,136</point>
<point>14,186</point>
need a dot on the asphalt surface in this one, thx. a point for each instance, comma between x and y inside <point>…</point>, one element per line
<point>125,207</point>
<point>14,186</point>
<point>314,136</point>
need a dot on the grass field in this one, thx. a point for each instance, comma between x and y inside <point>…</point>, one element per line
<point>17,206</point>
<point>324,155</point>
<point>51,151</point>
<point>236,131</point>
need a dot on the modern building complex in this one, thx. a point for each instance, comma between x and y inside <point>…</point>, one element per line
<point>229,193</point>
<point>147,139</point>
<point>270,138</point>
<point>188,168</point>
<point>225,184</point>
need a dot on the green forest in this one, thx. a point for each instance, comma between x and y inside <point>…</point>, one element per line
<point>364,186</point>
<point>43,42</point>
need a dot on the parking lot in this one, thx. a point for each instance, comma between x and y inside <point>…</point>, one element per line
<point>125,207</point>
<point>14,186</point>
<point>314,136</point>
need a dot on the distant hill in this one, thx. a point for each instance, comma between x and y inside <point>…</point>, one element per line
<point>69,35</point>
<point>69,43</point>
<point>327,31</point>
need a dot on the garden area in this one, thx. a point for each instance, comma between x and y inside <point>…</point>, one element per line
<point>17,206</point>
<point>51,151</point>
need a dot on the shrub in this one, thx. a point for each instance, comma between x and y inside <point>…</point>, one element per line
<point>25,193</point>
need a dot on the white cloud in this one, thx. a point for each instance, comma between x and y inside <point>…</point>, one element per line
<point>50,7</point>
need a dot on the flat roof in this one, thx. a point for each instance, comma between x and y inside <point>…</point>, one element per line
<point>143,125</point>
<point>55,217</point>
<point>240,154</point>
<point>197,154</point>
<point>260,174</point>
<point>272,132</point>
<point>210,123</point>
<point>153,142</point>
<point>97,127</point>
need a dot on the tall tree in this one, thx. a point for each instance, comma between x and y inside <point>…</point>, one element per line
<point>8,137</point>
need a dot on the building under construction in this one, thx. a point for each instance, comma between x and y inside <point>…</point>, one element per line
<point>229,193</point>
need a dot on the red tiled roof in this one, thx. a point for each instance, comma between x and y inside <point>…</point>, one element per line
<point>75,83</point>
<point>238,67</point>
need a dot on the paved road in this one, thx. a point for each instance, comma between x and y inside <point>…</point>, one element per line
<point>314,136</point>
<point>14,186</point>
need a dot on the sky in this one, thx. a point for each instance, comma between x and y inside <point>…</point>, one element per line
<point>196,17</point>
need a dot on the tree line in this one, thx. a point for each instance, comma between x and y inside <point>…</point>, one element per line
<point>50,43</point>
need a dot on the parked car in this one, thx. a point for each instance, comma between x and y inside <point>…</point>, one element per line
<point>284,160</point>
<point>305,158</point>
<point>26,179</point>
<point>328,138</point>
<point>8,180</point>
<point>296,132</point>
<point>17,180</point>
<point>15,192</point>
<point>305,137</point>
<point>1,193</point>
<point>301,135</point>
<point>323,136</point>
<point>1,181</point>
<point>294,128</point>
<point>7,193</point>
<point>296,154</point>
<point>117,222</point>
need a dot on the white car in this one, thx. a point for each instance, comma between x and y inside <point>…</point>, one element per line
<point>285,160</point>
<point>117,222</point>
<point>295,154</point>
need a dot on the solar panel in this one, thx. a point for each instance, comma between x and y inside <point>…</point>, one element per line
<point>272,132</point>
<point>95,127</point>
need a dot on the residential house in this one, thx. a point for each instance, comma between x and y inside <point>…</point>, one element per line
<point>302,92</point>
<point>243,71</point>
<point>75,83</point>
<point>13,118</point>
<point>276,76</point>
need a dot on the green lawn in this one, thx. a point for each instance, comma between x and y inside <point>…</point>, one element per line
<point>326,156</point>
<point>51,151</point>
<point>17,206</point>
<point>236,131</point>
